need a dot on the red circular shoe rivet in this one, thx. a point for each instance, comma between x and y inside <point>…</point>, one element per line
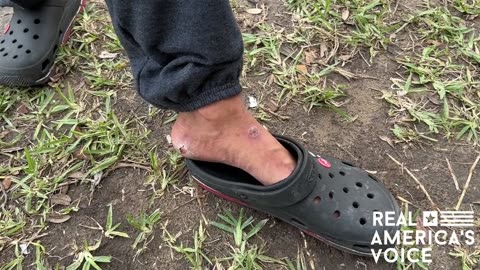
<point>7,27</point>
<point>325,163</point>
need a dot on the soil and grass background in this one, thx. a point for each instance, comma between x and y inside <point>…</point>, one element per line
<point>89,179</point>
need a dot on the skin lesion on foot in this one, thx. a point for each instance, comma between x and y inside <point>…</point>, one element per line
<point>253,132</point>
<point>182,149</point>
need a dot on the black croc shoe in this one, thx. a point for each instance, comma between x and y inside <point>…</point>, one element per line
<point>29,43</point>
<point>328,199</point>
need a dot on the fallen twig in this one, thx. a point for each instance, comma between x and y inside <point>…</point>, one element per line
<point>465,188</point>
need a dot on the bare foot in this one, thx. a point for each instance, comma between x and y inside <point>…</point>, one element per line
<point>226,132</point>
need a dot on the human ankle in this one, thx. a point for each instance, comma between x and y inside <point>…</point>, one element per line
<point>231,108</point>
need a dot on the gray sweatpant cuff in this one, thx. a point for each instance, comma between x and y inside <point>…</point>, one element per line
<point>210,96</point>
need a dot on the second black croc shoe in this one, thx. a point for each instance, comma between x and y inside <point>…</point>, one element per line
<point>29,43</point>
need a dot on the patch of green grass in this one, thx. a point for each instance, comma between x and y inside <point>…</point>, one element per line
<point>110,229</point>
<point>243,255</point>
<point>338,16</point>
<point>67,132</point>
<point>11,223</point>
<point>469,258</point>
<point>440,88</point>
<point>249,257</point>
<point>87,260</point>
<point>298,264</point>
<point>17,262</point>
<point>241,228</point>
<point>281,57</point>
<point>467,6</point>
<point>165,172</point>
<point>194,255</point>
<point>145,225</point>
<point>96,51</point>
<point>39,260</point>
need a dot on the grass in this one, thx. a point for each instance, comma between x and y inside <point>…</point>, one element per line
<point>15,263</point>
<point>165,172</point>
<point>145,225</point>
<point>440,85</point>
<point>273,53</point>
<point>74,132</point>
<point>194,255</point>
<point>469,258</point>
<point>238,226</point>
<point>110,229</point>
<point>65,133</point>
<point>337,17</point>
<point>243,254</point>
<point>87,261</point>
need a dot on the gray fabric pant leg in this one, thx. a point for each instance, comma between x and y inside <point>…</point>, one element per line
<point>184,54</point>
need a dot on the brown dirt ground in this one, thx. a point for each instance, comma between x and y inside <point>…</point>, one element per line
<point>322,130</point>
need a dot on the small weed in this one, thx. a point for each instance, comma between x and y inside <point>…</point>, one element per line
<point>194,255</point>
<point>16,263</point>
<point>299,263</point>
<point>39,252</point>
<point>145,224</point>
<point>86,258</point>
<point>470,259</point>
<point>110,230</point>
<point>467,6</point>
<point>238,226</point>
<point>165,172</point>
<point>249,257</point>
<point>441,86</point>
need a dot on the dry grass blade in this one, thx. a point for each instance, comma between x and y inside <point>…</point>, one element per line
<point>467,184</point>
<point>422,187</point>
<point>4,196</point>
<point>453,175</point>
